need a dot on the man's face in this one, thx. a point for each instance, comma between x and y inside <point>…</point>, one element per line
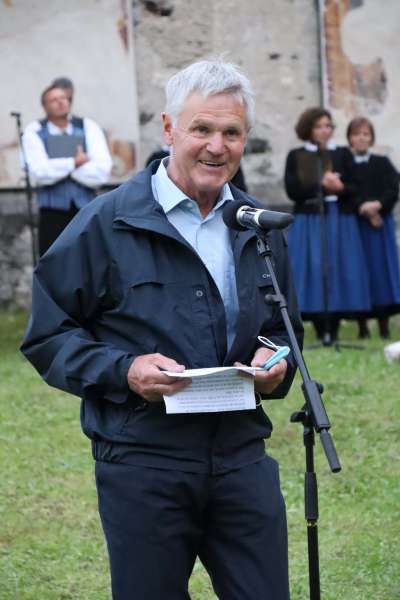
<point>56,103</point>
<point>207,144</point>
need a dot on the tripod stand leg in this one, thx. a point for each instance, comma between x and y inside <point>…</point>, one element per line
<point>313,560</point>
<point>311,513</point>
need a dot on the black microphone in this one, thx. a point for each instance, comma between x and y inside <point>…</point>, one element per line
<point>238,215</point>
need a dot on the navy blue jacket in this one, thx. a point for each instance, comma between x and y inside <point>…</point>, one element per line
<point>121,281</point>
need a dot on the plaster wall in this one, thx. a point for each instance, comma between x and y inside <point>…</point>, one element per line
<point>360,58</point>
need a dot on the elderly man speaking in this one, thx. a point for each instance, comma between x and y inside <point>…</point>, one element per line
<point>148,279</point>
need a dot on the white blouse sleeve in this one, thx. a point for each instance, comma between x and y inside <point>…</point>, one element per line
<point>97,170</point>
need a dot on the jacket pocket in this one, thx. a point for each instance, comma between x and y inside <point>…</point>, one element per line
<point>102,419</point>
<point>162,315</point>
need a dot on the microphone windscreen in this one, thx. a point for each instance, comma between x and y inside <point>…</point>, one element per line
<point>272,219</point>
<point>229,214</point>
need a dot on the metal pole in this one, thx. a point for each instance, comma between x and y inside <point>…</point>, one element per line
<point>28,188</point>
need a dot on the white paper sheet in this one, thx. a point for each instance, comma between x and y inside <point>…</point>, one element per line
<point>218,389</point>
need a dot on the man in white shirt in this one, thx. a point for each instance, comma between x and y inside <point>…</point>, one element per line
<point>68,159</point>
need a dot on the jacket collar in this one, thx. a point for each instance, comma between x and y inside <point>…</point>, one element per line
<point>137,208</point>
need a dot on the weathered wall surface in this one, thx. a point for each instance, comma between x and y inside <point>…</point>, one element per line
<point>275,42</point>
<point>362,43</point>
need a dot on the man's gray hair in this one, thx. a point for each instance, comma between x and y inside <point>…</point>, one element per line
<point>209,77</point>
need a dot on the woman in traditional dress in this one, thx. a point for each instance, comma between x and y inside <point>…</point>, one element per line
<point>378,191</point>
<point>324,240</point>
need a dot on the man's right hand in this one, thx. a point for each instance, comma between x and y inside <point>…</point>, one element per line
<point>146,377</point>
<point>80,157</point>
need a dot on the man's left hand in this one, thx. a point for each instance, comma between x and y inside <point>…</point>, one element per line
<point>266,381</point>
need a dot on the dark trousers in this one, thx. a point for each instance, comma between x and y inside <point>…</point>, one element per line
<point>51,223</point>
<point>156,522</point>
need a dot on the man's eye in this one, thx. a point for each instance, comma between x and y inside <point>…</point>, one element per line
<point>233,133</point>
<point>202,129</point>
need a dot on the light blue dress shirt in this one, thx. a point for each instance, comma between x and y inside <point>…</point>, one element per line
<point>209,236</point>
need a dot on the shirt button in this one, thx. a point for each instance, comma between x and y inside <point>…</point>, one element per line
<point>199,293</point>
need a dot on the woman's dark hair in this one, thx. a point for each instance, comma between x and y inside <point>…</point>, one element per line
<point>308,119</point>
<point>355,125</point>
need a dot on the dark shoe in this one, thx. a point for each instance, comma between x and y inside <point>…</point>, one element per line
<point>364,334</point>
<point>334,326</point>
<point>363,331</point>
<point>319,328</point>
<point>384,332</point>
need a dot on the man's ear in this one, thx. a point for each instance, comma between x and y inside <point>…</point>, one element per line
<point>167,128</point>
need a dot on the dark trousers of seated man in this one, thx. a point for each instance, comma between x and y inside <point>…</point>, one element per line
<point>157,521</point>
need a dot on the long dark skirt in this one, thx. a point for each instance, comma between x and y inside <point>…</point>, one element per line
<point>381,252</point>
<point>348,283</point>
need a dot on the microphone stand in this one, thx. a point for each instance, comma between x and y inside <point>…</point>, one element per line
<point>314,419</point>
<point>327,338</point>
<point>327,334</point>
<point>28,187</point>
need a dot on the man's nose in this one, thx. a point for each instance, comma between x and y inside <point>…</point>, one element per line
<point>216,143</point>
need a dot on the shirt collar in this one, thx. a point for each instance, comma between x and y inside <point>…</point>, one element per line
<point>361,158</point>
<point>331,145</point>
<point>54,130</point>
<point>169,196</point>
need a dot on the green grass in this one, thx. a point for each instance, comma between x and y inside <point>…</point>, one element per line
<point>51,544</point>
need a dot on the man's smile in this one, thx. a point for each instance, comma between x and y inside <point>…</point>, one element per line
<point>210,163</point>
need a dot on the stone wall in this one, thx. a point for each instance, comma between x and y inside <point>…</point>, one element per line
<point>15,251</point>
<point>276,44</point>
